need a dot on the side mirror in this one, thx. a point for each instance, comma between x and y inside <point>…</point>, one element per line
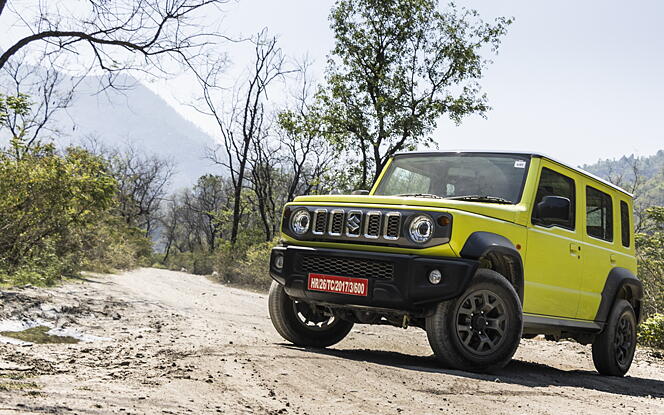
<point>360,192</point>
<point>553,209</point>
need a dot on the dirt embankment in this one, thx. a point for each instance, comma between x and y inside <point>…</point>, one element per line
<point>172,343</point>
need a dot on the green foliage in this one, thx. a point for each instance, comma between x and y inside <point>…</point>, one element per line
<point>245,264</point>
<point>13,106</point>
<point>651,331</point>
<point>254,270</point>
<point>55,211</point>
<point>396,67</point>
<point>650,255</point>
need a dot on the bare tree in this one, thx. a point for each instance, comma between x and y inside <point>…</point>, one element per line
<point>211,195</point>
<point>307,151</point>
<point>112,34</point>
<point>265,179</point>
<point>48,90</point>
<point>243,123</point>
<point>142,185</point>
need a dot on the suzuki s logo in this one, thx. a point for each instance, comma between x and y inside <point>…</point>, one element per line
<point>353,222</point>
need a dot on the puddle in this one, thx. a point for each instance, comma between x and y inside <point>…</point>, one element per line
<point>40,335</point>
<point>26,332</point>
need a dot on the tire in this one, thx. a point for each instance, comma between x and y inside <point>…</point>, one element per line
<point>499,315</point>
<point>288,318</point>
<point>613,349</point>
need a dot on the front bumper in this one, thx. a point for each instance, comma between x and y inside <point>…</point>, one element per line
<point>396,281</point>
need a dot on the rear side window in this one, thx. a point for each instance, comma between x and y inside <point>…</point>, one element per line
<point>624,224</point>
<point>555,184</point>
<point>599,214</point>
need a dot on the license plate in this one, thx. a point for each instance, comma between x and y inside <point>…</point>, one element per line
<point>339,285</point>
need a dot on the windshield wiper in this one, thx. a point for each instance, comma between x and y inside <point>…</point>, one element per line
<point>429,195</point>
<point>479,198</point>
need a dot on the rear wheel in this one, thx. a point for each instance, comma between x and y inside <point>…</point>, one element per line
<point>613,349</point>
<point>301,324</point>
<point>481,329</point>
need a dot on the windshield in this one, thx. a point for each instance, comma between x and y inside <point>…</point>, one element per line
<point>490,178</point>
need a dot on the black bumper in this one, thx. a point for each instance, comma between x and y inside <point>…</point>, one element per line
<point>396,281</point>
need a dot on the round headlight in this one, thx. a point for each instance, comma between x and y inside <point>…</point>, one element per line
<point>300,221</point>
<point>421,229</point>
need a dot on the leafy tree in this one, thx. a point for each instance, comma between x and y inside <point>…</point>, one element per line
<point>57,209</point>
<point>396,67</point>
<point>650,255</point>
<point>45,198</point>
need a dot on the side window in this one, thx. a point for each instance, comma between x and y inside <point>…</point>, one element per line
<point>624,224</point>
<point>599,214</point>
<point>555,184</point>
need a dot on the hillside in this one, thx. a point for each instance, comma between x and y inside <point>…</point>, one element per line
<point>139,117</point>
<point>650,171</point>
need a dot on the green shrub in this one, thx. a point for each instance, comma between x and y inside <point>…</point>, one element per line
<point>254,269</point>
<point>651,331</point>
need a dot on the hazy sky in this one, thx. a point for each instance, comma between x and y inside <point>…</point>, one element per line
<point>578,80</point>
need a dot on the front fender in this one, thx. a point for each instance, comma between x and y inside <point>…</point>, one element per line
<point>487,245</point>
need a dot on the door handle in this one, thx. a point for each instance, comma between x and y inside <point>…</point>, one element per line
<point>575,250</point>
<point>613,259</point>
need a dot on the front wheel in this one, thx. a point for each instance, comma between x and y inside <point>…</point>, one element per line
<point>302,324</point>
<point>480,330</point>
<point>613,349</point>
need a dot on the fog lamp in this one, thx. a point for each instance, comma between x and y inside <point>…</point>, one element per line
<point>435,276</point>
<point>279,261</point>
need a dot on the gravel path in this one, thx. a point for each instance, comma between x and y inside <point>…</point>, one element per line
<point>181,344</point>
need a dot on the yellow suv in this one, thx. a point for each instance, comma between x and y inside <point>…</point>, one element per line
<point>479,249</point>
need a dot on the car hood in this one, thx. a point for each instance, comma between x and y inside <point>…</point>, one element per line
<point>494,210</point>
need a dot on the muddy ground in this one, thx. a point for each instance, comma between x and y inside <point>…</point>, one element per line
<point>163,342</point>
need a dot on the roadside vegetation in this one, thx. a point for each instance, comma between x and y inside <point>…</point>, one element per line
<point>59,211</point>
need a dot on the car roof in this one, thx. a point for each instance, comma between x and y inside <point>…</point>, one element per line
<point>522,153</point>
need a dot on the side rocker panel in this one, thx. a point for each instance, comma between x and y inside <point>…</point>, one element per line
<point>483,244</point>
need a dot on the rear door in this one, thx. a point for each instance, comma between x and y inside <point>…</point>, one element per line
<point>553,258</point>
<point>606,243</point>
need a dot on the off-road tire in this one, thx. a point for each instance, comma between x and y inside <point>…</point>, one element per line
<point>620,328</point>
<point>443,326</point>
<point>290,327</point>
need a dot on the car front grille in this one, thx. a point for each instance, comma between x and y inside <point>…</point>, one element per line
<point>346,267</point>
<point>354,223</point>
<point>371,225</point>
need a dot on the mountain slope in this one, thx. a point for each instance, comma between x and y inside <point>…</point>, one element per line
<point>140,118</point>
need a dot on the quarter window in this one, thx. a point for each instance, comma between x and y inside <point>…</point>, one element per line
<point>599,214</point>
<point>555,184</point>
<point>624,223</point>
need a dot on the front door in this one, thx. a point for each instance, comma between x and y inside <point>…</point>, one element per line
<point>553,258</point>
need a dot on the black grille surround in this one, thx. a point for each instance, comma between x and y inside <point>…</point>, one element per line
<point>346,267</point>
<point>368,226</point>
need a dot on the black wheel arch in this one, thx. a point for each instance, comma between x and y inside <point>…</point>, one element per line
<point>499,253</point>
<point>621,284</point>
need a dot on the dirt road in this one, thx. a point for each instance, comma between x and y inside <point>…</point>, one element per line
<point>181,344</point>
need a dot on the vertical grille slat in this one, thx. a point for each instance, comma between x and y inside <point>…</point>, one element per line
<point>320,221</point>
<point>373,225</point>
<point>336,222</point>
<point>392,225</point>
